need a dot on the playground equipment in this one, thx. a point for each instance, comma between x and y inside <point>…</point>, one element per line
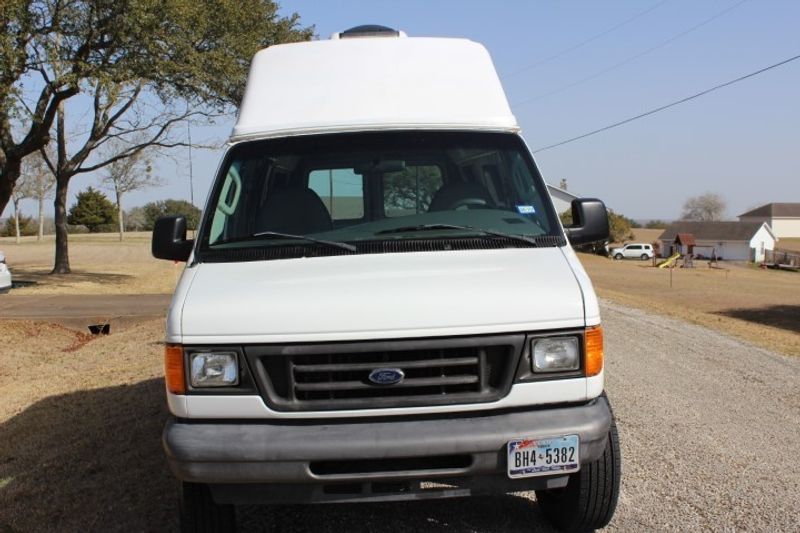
<point>670,261</point>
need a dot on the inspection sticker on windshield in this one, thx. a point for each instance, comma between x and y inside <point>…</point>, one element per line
<point>526,210</point>
<point>542,457</point>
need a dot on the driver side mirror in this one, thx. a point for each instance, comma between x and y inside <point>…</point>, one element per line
<point>589,222</point>
<point>169,239</point>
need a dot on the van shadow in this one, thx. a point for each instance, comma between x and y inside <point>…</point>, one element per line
<point>778,316</point>
<point>92,461</point>
<point>484,514</point>
<point>88,461</point>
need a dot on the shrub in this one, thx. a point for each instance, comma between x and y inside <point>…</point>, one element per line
<point>155,210</point>
<point>27,226</point>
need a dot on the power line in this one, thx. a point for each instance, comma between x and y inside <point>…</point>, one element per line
<point>667,106</point>
<point>633,57</point>
<point>585,42</point>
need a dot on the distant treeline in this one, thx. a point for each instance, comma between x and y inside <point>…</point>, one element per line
<point>136,219</point>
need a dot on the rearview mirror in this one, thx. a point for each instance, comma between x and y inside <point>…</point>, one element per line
<point>589,222</point>
<point>169,239</point>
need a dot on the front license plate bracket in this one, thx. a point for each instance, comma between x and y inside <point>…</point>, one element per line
<point>530,457</point>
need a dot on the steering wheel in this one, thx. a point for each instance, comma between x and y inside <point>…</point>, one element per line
<point>468,203</point>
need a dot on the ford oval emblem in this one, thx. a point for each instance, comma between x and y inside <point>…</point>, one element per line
<point>386,376</point>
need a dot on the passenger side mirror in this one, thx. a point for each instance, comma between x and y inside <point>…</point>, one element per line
<point>169,239</point>
<point>589,221</point>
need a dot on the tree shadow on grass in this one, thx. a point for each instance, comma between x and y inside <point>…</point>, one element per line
<point>778,316</point>
<point>92,461</point>
<point>44,278</point>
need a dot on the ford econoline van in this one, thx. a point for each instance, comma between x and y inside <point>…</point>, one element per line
<point>380,303</point>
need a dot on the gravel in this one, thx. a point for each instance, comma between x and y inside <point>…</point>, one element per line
<point>710,431</point>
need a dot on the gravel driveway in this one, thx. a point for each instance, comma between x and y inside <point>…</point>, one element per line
<point>710,431</point>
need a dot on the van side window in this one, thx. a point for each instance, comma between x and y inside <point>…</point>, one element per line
<point>228,202</point>
<point>409,191</point>
<point>341,190</point>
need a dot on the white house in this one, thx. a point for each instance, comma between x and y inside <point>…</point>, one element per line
<point>735,241</point>
<point>782,218</point>
<point>562,199</point>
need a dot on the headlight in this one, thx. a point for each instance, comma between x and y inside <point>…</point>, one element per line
<point>214,369</point>
<point>556,354</point>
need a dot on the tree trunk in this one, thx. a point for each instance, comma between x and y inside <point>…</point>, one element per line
<point>120,215</point>
<point>16,219</point>
<point>62,246</point>
<point>9,174</point>
<point>41,218</point>
<point>62,176</point>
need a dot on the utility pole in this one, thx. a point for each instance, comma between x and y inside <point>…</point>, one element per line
<point>191,174</point>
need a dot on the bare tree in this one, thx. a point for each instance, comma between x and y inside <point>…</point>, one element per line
<point>126,175</point>
<point>706,207</point>
<point>124,114</point>
<point>22,190</point>
<point>39,183</point>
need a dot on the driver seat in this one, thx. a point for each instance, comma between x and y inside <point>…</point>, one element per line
<point>455,191</point>
<point>295,211</point>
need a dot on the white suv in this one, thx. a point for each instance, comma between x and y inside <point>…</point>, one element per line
<point>633,251</point>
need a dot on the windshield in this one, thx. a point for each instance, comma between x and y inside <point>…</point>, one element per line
<point>319,192</point>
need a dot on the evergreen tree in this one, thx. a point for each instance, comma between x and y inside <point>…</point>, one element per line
<point>93,210</point>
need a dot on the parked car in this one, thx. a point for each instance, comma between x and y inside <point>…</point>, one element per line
<point>380,303</point>
<point>633,251</point>
<point>5,275</point>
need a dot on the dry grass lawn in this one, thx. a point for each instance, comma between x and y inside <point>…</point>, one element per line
<point>100,265</point>
<point>760,306</point>
<point>80,426</point>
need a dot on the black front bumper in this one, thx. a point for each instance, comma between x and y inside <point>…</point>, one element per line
<point>269,461</point>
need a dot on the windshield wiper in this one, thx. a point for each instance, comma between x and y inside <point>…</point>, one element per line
<point>278,235</point>
<point>433,227</point>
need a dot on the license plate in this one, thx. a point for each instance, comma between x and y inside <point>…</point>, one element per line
<point>541,457</point>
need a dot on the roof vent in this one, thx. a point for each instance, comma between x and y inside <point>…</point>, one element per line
<point>368,30</point>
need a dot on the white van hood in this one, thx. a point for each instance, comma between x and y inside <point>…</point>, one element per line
<point>363,297</point>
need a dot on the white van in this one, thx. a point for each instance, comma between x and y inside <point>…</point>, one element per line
<point>380,303</point>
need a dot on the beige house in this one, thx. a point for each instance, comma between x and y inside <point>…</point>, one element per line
<point>782,218</point>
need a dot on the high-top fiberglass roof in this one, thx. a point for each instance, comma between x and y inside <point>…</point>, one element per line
<point>371,83</point>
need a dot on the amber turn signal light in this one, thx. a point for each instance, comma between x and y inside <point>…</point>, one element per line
<point>173,369</point>
<point>594,351</point>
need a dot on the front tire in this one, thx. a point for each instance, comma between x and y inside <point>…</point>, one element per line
<point>590,497</point>
<point>618,257</point>
<point>645,257</point>
<point>201,514</point>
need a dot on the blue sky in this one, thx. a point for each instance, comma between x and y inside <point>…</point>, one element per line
<point>742,142</point>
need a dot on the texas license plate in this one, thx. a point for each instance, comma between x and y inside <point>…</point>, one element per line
<point>540,457</point>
